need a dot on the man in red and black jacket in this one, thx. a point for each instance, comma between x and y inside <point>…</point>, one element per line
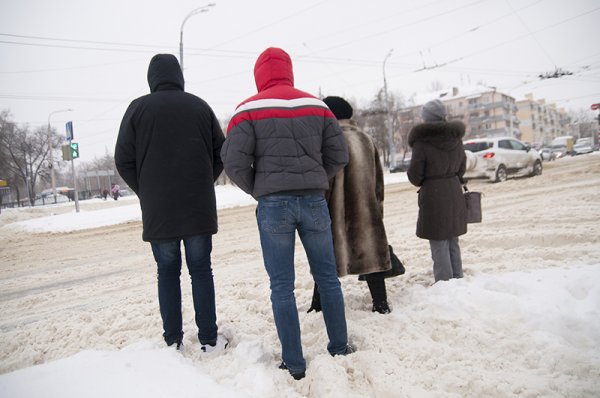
<point>282,147</point>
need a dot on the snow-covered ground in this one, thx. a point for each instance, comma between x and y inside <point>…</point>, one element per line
<point>80,315</point>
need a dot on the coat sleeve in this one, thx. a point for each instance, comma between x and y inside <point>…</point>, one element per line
<point>334,148</point>
<point>379,183</point>
<point>416,170</point>
<point>217,144</point>
<point>125,150</point>
<point>462,168</point>
<point>238,156</point>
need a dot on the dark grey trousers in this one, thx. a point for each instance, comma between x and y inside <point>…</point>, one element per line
<point>447,263</point>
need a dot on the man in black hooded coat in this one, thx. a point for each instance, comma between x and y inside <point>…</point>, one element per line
<point>168,152</point>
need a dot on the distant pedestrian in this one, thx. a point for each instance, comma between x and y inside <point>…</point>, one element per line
<point>283,146</point>
<point>355,200</point>
<point>168,152</point>
<point>437,167</point>
<point>104,193</point>
<point>115,191</point>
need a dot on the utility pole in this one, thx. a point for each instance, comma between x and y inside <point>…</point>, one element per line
<point>192,13</point>
<point>50,155</point>
<point>72,154</point>
<point>391,145</point>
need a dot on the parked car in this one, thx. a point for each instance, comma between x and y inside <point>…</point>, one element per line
<point>567,141</point>
<point>401,164</point>
<point>546,154</point>
<point>583,145</point>
<point>559,151</point>
<point>498,157</point>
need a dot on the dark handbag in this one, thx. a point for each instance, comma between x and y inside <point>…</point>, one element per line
<point>473,202</point>
<point>397,266</point>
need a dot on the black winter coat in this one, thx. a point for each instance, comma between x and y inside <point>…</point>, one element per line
<point>437,166</point>
<point>168,152</point>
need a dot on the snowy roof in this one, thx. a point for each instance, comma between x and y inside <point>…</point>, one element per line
<point>448,94</point>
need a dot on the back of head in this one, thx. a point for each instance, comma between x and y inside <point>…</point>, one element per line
<point>434,111</point>
<point>339,106</point>
<point>164,70</point>
<point>273,66</point>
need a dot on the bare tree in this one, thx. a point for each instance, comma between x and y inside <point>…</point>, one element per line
<point>582,123</point>
<point>374,121</point>
<point>24,154</point>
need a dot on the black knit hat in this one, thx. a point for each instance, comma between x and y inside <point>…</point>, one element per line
<point>434,111</point>
<point>339,106</point>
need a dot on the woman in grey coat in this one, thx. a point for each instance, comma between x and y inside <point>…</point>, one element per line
<point>437,167</point>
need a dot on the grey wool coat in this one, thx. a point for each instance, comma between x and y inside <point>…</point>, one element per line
<point>355,201</point>
<point>437,167</point>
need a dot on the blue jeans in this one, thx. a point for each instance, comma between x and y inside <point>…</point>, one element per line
<point>197,256</point>
<point>279,217</point>
<point>447,261</point>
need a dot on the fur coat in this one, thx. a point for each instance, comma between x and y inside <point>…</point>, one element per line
<point>437,167</point>
<point>355,201</point>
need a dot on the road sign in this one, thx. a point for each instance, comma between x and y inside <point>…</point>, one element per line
<point>69,127</point>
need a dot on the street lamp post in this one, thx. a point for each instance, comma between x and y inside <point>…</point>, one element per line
<point>193,12</point>
<point>50,156</point>
<point>391,145</point>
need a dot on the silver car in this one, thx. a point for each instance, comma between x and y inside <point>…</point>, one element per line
<point>583,145</point>
<point>497,158</point>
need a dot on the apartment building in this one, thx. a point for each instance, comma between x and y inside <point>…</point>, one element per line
<point>485,111</point>
<point>541,122</point>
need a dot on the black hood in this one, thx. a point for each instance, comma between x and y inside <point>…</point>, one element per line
<point>164,73</point>
<point>442,135</point>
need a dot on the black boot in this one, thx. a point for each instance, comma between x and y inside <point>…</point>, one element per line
<point>316,300</point>
<point>382,308</point>
<point>376,283</point>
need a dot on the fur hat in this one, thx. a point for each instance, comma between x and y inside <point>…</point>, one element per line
<point>434,111</point>
<point>339,106</point>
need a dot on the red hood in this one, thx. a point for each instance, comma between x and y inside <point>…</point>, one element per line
<point>273,67</point>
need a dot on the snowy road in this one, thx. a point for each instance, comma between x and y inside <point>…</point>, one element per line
<point>61,293</point>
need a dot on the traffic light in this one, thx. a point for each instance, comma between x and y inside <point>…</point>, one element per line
<point>66,152</point>
<point>74,150</point>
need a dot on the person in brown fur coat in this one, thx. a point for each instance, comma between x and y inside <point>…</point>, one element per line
<point>355,200</point>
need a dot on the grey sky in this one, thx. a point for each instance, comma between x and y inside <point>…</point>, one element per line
<point>93,56</point>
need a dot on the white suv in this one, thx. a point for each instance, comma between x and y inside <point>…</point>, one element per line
<point>496,158</point>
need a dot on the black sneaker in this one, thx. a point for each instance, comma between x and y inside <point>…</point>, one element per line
<point>296,376</point>
<point>347,351</point>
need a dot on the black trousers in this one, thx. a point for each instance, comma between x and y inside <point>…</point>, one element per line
<point>376,283</point>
